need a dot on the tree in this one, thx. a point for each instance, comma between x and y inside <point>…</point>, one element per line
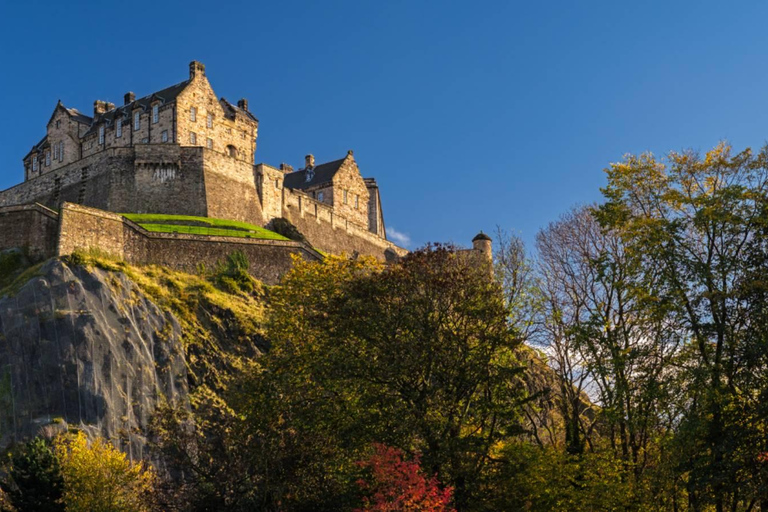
<point>395,485</point>
<point>691,222</point>
<point>34,482</point>
<point>417,355</point>
<point>99,478</point>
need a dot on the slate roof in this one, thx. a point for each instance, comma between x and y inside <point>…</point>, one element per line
<point>323,173</point>
<point>124,111</point>
<point>79,116</point>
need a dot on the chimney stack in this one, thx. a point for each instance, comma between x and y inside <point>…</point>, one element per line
<point>309,162</point>
<point>110,106</point>
<point>196,68</point>
<point>99,107</point>
<point>243,104</point>
<point>129,97</point>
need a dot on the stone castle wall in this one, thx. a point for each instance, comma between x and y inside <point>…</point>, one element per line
<point>84,228</point>
<point>149,178</point>
<point>331,232</point>
<point>32,228</point>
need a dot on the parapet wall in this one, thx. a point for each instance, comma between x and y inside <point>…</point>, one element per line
<point>85,228</point>
<point>30,227</point>
<point>331,232</point>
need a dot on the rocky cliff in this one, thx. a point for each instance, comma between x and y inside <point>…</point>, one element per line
<point>97,344</point>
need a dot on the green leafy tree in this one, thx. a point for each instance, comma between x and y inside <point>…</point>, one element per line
<point>418,355</point>
<point>690,221</point>
<point>34,482</point>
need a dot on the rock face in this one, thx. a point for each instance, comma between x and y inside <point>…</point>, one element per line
<point>86,347</point>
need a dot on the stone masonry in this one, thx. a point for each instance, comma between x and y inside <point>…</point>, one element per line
<point>182,150</point>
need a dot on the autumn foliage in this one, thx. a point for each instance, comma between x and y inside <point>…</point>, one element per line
<point>394,484</point>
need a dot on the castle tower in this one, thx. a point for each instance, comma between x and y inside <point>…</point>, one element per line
<point>482,244</point>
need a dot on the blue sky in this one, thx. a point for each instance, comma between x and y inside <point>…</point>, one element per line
<point>469,114</point>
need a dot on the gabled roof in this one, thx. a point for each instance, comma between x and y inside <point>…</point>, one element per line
<point>163,96</point>
<point>322,173</point>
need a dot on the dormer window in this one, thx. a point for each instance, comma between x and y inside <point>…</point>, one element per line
<point>319,196</point>
<point>209,121</point>
<point>101,134</point>
<point>192,114</point>
<point>136,120</point>
<point>310,175</point>
<point>155,113</point>
<point>119,127</point>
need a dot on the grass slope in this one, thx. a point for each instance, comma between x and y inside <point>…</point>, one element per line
<point>160,223</point>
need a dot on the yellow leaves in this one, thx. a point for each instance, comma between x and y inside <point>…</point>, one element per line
<point>99,478</point>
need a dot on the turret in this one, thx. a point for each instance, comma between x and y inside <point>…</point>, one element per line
<point>482,244</point>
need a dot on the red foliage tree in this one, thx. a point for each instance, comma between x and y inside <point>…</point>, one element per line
<point>396,485</point>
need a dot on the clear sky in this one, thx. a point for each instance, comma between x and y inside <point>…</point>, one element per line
<point>469,114</point>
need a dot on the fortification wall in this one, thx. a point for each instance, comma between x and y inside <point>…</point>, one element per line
<point>165,178</point>
<point>147,178</point>
<point>230,187</point>
<point>32,227</point>
<point>66,183</point>
<point>84,228</point>
<point>330,231</point>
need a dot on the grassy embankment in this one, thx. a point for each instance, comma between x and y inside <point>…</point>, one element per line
<point>159,223</point>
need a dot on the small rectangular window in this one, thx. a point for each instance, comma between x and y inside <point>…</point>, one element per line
<point>192,114</point>
<point>192,138</point>
<point>357,201</point>
<point>209,143</point>
<point>101,134</point>
<point>277,183</point>
<point>48,158</point>
<point>164,136</point>
<point>55,151</point>
<point>155,113</point>
<point>209,122</point>
<point>34,163</point>
<point>119,127</point>
<point>319,196</point>
<point>58,123</point>
<point>136,120</point>
<point>345,197</point>
<point>61,151</point>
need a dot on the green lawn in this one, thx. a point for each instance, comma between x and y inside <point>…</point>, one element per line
<point>160,223</point>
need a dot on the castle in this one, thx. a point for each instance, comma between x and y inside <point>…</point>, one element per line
<point>182,151</point>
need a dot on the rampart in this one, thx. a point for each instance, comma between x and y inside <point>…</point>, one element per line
<point>84,228</point>
<point>332,232</point>
<point>44,234</point>
<point>31,227</point>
